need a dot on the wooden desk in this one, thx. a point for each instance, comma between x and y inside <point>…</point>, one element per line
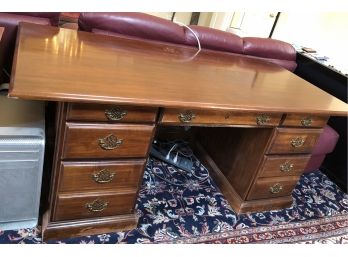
<point>255,123</point>
<point>2,29</point>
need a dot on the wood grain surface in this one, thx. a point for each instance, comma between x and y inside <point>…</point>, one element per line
<point>66,65</point>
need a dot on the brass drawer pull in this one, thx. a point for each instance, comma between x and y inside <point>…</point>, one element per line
<point>110,142</point>
<point>276,188</point>
<point>97,205</point>
<point>186,116</point>
<point>286,166</point>
<point>297,142</point>
<point>103,176</point>
<point>115,113</point>
<point>262,119</point>
<point>306,122</point>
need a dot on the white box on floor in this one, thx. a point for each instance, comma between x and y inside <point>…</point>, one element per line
<point>22,143</point>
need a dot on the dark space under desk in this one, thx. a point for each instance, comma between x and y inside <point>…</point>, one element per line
<point>255,123</point>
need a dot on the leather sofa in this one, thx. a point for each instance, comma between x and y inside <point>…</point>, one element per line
<point>147,27</point>
<point>10,22</point>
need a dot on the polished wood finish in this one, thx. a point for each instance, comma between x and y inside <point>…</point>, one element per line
<point>75,228</point>
<point>80,176</point>
<point>2,29</point>
<point>66,65</point>
<point>237,203</point>
<point>236,145</point>
<point>283,140</point>
<point>225,91</point>
<point>211,117</point>
<point>131,114</point>
<point>302,120</point>
<point>283,165</point>
<point>262,189</point>
<point>73,206</point>
<point>83,140</point>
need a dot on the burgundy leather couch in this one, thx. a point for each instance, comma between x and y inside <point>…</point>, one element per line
<point>144,26</point>
<point>10,22</point>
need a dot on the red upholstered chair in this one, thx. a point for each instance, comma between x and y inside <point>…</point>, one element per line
<point>144,26</point>
<point>10,22</point>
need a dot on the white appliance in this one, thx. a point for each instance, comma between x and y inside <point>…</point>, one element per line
<point>22,143</point>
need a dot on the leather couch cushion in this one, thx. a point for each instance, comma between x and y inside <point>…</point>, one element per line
<point>326,142</point>
<point>269,48</point>
<point>134,24</point>
<point>10,22</point>
<point>214,39</point>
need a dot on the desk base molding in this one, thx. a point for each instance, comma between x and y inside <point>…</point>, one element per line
<point>77,228</point>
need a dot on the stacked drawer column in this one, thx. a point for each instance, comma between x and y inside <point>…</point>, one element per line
<point>287,156</point>
<point>99,163</point>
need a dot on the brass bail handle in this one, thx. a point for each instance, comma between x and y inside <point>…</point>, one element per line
<point>306,122</point>
<point>276,188</point>
<point>186,116</point>
<point>263,119</point>
<point>109,142</point>
<point>97,205</point>
<point>103,176</point>
<point>115,113</point>
<point>297,142</point>
<point>286,166</point>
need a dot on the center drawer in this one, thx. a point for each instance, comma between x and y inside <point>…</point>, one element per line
<point>101,175</point>
<point>219,117</point>
<point>83,140</point>
<point>80,206</point>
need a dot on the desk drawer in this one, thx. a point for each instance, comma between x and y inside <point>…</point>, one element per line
<point>272,187</point>
<point>87,176</point>
<point>181,116</point>
<point>301,120</point>
<point>80,206</point>
<point>283,165</point>
<point>294,140</point>
<point>106,140</point>
<point>111,113</point>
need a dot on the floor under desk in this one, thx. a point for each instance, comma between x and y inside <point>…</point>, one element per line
<point>196,212</point>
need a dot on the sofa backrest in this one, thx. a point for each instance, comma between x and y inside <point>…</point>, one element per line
<point>10,22</point>
<point>149,27</point>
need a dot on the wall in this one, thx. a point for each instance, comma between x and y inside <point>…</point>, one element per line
<point>325,32</point>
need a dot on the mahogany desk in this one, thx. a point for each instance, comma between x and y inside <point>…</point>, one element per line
<point>255,123</point>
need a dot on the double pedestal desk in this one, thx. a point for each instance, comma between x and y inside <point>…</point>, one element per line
<point>254,124</point>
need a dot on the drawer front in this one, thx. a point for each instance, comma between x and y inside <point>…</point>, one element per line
<point>110,113</point>
<point>88,176</point>
<point>294,140</point>
<point>284,165</point>
<point>301,120</point>
<point>81,206</point>
<point>181,116</point>
<point>272,187</point>
<point>106,141</point>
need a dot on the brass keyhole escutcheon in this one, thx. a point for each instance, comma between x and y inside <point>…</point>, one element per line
<point>115,113</point>
<point>97,205</point>
<point>109,142</point>
<point>286,166</point>
<point>276,188</point>
<point>297,142</point>
<point>263,119</point>
<point>306,122</point>
<point>186,116</point>
<point>103,176</point>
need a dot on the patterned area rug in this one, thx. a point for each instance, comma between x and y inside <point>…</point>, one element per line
<point>178,207</point>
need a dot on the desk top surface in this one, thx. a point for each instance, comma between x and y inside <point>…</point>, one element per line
<point>65,65</point>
